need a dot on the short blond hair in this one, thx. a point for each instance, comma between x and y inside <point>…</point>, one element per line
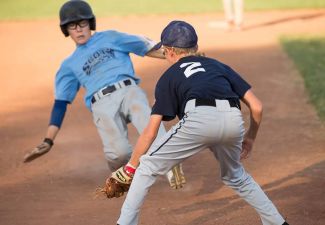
<point>185,51</point>
<point>180,51</point>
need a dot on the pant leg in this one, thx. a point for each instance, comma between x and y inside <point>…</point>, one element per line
<point>181,142</point>
<point>112,128</point>
<point>234,175</point>
<point>141,183</point>
<point>228,10</point>
<point>238,12</point>
<point>137,109</point>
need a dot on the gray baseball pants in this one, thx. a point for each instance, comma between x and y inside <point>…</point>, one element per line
<point>112,113</point>
<point>221,130</point>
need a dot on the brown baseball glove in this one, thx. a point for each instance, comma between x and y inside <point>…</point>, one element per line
<point>114,188</point>
<point>117,184</point>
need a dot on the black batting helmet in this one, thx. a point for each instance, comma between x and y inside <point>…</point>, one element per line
<point>75,10</point>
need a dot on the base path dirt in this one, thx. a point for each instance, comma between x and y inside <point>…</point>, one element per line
<point>288,159</point>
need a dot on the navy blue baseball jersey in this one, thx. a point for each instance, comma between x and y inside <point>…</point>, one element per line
<point>195,77</point>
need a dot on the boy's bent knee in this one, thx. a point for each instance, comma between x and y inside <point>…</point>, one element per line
<point>116,160</point>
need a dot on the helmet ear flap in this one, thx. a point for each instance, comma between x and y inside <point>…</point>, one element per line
<point>64,30</point>
<point>92,23</point>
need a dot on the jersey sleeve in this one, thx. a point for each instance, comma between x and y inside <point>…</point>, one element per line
<point>238,84</point>
<point>66,85</point>
<point>166,100</point>
<point>136,44</point>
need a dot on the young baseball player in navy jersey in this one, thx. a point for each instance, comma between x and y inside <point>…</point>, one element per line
<point>204,93</point>
<point>102,66</point>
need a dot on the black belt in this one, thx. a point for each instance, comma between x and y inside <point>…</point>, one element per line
<point>212,102</point>
<point>110,89</point>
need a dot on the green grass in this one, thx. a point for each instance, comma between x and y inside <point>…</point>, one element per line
<point>309,57</point>
<point>38,9</point>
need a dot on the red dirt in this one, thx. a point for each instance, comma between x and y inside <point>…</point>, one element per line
<point>288,159</point>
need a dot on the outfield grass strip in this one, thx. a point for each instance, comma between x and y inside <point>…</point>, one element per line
<point>308,55</point>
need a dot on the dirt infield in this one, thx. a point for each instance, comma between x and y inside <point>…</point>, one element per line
<point>288,159</point>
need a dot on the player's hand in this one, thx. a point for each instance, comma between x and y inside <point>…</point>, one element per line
<point>247,147</point>
<point>39,150</point>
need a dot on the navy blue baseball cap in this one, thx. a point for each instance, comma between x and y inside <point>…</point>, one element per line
<point>178,34</point>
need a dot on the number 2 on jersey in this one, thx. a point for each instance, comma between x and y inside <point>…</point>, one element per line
<point>192,68</point>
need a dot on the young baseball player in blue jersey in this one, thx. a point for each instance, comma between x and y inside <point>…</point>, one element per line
<point>102,66</point>
<point>205,94</point>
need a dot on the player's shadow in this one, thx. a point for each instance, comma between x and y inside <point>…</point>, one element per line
<point>277,191</point>
<point>284,20</point>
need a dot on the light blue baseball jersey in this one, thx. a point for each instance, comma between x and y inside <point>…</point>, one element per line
<point>102,61</point>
